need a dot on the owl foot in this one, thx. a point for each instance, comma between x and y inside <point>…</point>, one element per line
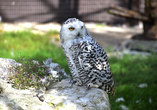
<point>91,85</point>
<point>76,82</point>
<point>72,82</point>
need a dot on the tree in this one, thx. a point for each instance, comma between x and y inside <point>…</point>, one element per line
<point>149,18</point>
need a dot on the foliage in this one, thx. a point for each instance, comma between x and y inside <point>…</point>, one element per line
<point>29,74</point>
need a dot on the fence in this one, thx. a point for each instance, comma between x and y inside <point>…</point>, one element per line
<point>59,10</point>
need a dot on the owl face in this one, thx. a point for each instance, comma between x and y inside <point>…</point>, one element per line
<point>72,29</point>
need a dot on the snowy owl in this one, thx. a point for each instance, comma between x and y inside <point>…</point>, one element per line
<point>87,61</point>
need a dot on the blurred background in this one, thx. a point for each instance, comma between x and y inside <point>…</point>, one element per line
<point>126,29</point>
<point>44,11</point>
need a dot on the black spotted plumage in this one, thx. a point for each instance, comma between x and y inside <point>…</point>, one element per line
<point>87,60</point>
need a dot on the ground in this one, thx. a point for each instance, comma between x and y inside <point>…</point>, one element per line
<point>109,36</point>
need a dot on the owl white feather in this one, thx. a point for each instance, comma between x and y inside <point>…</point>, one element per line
<point>87,60</point>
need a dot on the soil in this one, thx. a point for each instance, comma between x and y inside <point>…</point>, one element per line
<point>111,36</point>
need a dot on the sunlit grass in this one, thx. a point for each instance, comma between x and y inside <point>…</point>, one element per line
<point>34,46</point>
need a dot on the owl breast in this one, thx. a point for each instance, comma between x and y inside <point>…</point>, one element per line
<point>88,62</point>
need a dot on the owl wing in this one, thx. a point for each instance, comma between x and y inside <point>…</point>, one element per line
<point>95,66</point>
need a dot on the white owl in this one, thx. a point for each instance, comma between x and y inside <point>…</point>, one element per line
<point>87,60</point>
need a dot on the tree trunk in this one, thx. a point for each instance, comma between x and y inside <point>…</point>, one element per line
<point>150,28</point>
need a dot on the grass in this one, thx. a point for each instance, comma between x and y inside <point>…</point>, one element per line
<point>32,46</point>
<point>128,72</point>
<point>100,25</point>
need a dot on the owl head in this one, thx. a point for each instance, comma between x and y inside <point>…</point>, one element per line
<point>72,29</point>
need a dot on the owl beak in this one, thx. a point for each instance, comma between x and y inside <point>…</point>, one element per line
<point>78,34</point>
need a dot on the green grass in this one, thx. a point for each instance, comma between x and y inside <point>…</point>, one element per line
<point>100,25</point>
<point>128,72</point>
<point>32,46</point>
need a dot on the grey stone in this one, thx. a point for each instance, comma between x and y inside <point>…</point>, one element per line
<point>59,96</point>
<point>141,47</point>
<point>78,98</point>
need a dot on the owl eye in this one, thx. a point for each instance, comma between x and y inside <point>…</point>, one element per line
<point>81,27</point>
<point>71,28</point>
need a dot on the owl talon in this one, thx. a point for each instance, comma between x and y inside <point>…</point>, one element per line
<point>90,85</point>
<point>78,83</point>
<point>72,82</point>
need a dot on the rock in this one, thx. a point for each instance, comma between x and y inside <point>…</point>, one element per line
<point>120,99</point>
<point>76,98</point>
<point>55,70</point>
<point>137,101</point>
<point>59,96</point>
<point>143,85</point>
<point>150,100</point>
<point>13,99</point>
<point>5,65</point>
<point>134,46</point>
<point>123,107</point>
<point>41,94</point>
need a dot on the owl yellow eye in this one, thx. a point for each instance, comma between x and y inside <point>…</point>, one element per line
<point>71,28</point>
<point>81,27</point>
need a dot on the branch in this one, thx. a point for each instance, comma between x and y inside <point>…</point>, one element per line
<point>119,11</point>
<point>124,10</point>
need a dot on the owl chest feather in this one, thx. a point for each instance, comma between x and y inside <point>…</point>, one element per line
<point>86,59</point>
<point>72,50</point>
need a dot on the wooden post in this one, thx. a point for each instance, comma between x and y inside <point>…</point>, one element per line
<point>150,28</point>
<point>149,18</point>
